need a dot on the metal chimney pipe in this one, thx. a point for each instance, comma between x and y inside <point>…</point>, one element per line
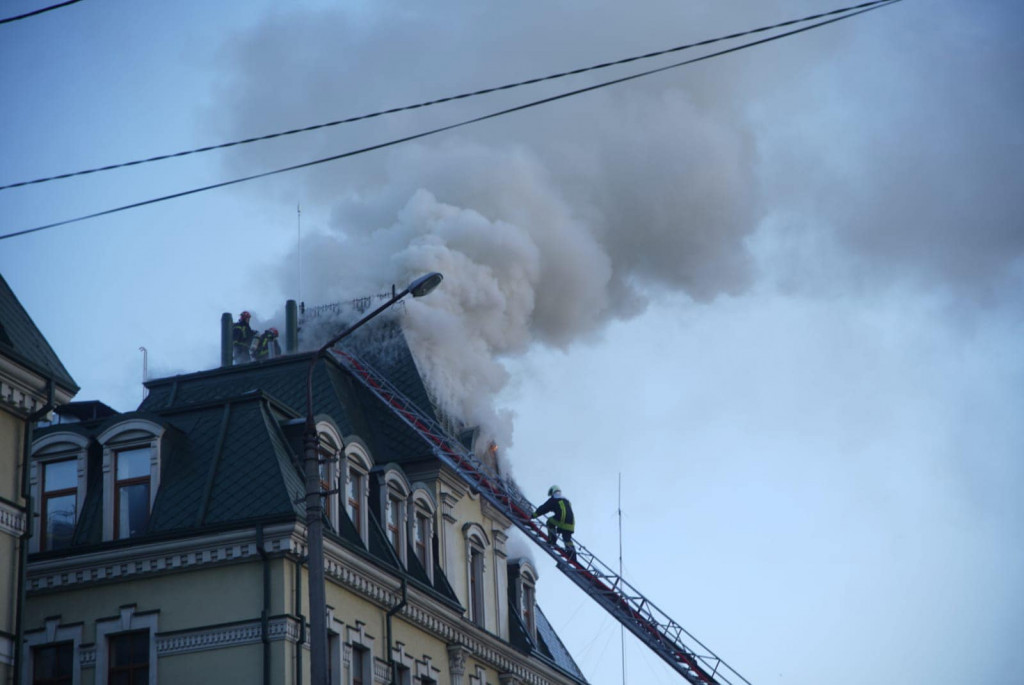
<point>291,327</point>
<point>226,324</point>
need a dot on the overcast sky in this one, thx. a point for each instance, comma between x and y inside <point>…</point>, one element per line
<point>780,292</point>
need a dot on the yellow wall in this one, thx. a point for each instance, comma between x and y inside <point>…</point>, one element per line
<point>12,438</point>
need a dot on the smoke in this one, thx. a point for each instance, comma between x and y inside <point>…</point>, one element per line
<point>549,224</point>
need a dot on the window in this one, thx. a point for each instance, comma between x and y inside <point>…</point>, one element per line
<point>356,488</point>
<point>526,607</point>
<point>128,658</point>
<point>329,440</point>
<point>421,526</point>
<point>477,543</point>
<point>59,505</point>
<point>131,491</point>
<point>53,664</point>
<point>421,537</point>
<point>394,518</point>
<point>357,467</point>
<point>58,480</point>
<point>476,586</point>
<point>131,476</point>
<point>360,671</point>
<point>403,676</point>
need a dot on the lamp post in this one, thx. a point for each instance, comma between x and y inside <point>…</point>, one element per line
<point>314,505</point>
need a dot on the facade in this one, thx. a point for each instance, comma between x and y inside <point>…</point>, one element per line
<point>169,544</point>
<point>32,382</point>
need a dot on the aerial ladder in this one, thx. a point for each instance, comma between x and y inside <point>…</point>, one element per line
<point>669,640</point>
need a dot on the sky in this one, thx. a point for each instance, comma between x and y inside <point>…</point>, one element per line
<point>778,294</point>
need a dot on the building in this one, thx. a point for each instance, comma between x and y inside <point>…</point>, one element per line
<point>32,382</point>
<point>173,548</point>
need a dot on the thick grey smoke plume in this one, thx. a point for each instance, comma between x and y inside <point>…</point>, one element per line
<point>550,223</point>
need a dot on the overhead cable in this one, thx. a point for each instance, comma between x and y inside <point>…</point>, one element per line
<point>452,98</point>
<point>442,129</point>
<point>19,17</point>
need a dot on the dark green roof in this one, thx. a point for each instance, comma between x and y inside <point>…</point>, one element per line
<point>21,341</point>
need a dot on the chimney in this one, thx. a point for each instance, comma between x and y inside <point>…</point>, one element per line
<point>291,327</point>
<point>226,325</point>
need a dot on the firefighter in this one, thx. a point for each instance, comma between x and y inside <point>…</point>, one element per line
<point>562,522</point>
<point>242,334</point>
<point>266,345</point>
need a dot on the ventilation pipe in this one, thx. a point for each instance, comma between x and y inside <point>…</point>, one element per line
<point>226,325</point>
<point>291,327</point>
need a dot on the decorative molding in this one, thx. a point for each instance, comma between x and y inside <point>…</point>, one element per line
<point>381,672</point>
<point>12,519</point>
<point>23,392</point>
<point>284,628</point>
<point>158,557</point>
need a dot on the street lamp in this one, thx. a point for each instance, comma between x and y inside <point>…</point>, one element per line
<point>314,506</point>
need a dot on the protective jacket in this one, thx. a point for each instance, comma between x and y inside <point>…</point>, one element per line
<point>266,346</point>
<point>562,510</point>
<point>242,335</point>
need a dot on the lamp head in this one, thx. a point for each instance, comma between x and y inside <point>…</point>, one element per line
<point>425,284</point>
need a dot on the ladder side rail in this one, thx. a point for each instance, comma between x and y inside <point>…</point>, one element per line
<point>642,617</point>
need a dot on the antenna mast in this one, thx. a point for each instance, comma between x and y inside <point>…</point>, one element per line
<point>622,628</point>
<point>298,252</point>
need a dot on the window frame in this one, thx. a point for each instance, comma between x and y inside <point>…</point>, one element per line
<point>330,448</point>
<point>52,633</point>
<point>55,447</point>
<point>129,621</point>
<point>477,544</point>
<point>358,461</point>
<point>422,507</point>
<point>394,507</point>
<point>126,435</point>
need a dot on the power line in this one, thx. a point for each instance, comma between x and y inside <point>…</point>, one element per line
<point>39,11</point>
<point>452,98</point>
<point>442,129</point>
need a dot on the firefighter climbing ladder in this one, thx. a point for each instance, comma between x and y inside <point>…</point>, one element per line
<point>669,640</point>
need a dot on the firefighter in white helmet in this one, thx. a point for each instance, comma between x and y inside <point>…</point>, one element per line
<point>563,522</point>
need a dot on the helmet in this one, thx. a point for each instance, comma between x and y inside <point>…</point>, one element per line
<point>273,332</point>
<point>244,316</point>
<point>554,489</point>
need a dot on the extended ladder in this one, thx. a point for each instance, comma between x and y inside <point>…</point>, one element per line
<point>669,640</point>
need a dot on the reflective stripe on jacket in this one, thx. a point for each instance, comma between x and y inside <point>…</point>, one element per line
<point>563,518</point>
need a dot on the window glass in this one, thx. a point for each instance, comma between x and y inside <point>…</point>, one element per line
<point>132,509</point>
<point>355,492</point>
<point>133,463</point>
<point>421,531</point>
<point>129,658</point>
<point>394,523</point>
<point>52,664</point>
<point>59,520</point>
<point>60,475</point>
<point>476,583</point>
<point>358,670</point>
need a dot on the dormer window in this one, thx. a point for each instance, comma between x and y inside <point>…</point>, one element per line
<point>394,497</point>
<point>421,527</point>
<point>328,451</point>
<point>476,593</point>
<point>131,477</point>
<point>58,482</point>
<point>523,578</point>
<point>356,487</point>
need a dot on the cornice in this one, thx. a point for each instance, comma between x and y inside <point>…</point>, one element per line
<point>154,558</point>
<point>23,391</point>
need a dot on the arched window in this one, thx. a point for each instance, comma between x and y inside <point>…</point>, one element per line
<point>394,497</point>
<point>131,476</point>
<point>477,543</point>
<point>357,486</point>
<point>525,593</point>
<point>329,451</point>
<point>421,527</point>
<point>58,484</point>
